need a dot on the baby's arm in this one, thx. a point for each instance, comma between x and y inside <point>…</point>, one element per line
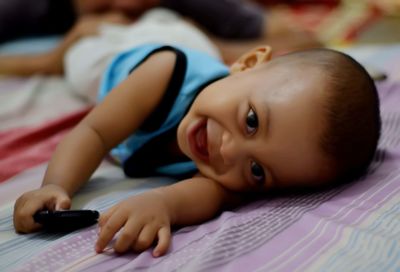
<point>108,124</point>
<point>148,217</point>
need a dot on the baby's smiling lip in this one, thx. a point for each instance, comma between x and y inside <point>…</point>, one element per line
<point>198,140</point>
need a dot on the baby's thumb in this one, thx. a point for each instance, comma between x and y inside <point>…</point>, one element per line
<point>63,203</point>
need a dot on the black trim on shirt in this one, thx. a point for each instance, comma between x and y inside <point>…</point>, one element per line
<point>159,115</point>
<point>143,162</point>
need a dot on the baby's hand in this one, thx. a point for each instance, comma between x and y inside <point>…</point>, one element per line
<point>144,219</point>
<point>50,197</point>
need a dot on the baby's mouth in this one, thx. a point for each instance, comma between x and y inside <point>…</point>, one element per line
<point>198,141</point>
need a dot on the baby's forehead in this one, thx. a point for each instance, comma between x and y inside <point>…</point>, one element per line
<point>293,63</point>
<point>288,79</point>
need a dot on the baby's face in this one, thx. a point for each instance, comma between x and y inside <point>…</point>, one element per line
<point>258,129</point>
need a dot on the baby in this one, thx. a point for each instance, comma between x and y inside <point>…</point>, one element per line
<point>306,119</point>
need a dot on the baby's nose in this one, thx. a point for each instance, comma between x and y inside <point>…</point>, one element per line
<point>230,149</point>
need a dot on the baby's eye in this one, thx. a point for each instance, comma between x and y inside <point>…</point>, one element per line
<point>251,121</point>
<point>257,172</point>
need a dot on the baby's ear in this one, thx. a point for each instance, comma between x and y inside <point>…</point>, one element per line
<point>252,59</point>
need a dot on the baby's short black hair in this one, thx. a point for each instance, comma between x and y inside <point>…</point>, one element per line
<point>353,122</point>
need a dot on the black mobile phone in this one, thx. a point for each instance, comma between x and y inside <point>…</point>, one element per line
<point>68,220</point>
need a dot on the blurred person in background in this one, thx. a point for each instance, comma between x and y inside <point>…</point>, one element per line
<point>231,19</point>
<point>233,25</point>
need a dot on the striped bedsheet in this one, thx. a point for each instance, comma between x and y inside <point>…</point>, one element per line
<point>350,228</point>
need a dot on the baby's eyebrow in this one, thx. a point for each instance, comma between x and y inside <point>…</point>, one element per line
<point>266,112</point>
<point>267,115</point>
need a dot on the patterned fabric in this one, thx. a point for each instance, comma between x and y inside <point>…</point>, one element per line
<point>351,228</point>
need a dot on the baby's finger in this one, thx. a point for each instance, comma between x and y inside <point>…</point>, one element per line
<point>164,240</point>
<point>107,232</point>
<point>29,225</point>
<point>63,202</point>
<point>128,236</point>
<point>106,215</point>
<point>146,237</point>
<point>23,216</point>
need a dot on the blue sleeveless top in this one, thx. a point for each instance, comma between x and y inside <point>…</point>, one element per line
<point>192,72</point>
